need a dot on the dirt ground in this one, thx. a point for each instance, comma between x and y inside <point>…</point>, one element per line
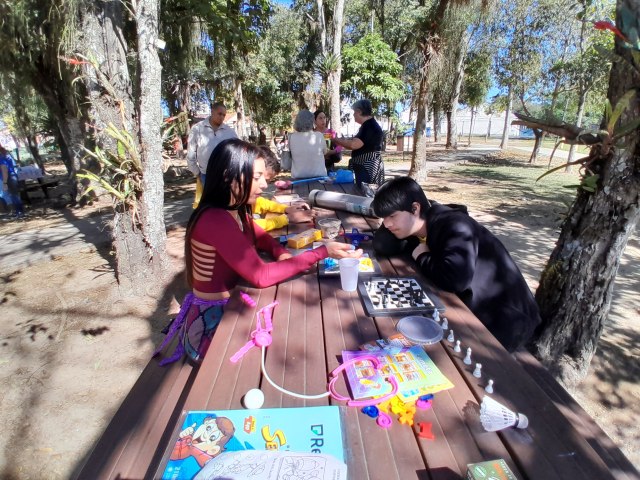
<point>71,345</point>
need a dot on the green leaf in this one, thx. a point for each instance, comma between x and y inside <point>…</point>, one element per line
<point>626,129</point>
<point>623,103</point>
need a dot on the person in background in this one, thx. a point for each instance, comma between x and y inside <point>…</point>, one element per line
<point>203,139</point>
<point>262,137</point>
<point>458,255</point>
<point>334,153</point>
<point>299,212</point>
<point>10,187</point>
<point>366,156</point>
<point>222,244</point>
<point>307,148</point>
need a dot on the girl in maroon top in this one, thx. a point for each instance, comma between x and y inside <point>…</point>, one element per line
<point>222,243</point>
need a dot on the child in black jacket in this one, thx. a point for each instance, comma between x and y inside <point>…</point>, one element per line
<point>458,255</point>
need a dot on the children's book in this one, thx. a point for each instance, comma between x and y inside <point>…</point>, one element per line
<point>412,368</point>
<point>205,435</point>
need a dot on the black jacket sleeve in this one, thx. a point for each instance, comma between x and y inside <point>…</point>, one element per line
<point>453,251</point>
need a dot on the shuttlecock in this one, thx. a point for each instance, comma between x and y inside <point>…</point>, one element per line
<point>494,416</point>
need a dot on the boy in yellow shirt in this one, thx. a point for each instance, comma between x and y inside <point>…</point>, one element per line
<point>296,213</point>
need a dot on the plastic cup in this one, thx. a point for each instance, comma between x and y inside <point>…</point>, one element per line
<point>330,227</point>
<point>349,268</point>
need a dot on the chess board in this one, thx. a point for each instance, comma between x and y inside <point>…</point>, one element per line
<point>391,296</point>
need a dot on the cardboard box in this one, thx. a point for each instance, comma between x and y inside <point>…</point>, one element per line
<point>305,238</point>
<point>490,470</point>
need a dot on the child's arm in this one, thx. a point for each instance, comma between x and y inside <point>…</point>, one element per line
<point>264,205</point>
<point>272,223</point>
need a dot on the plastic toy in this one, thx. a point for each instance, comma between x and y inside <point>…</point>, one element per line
<point>261,337</point>
<point>253,399</point>
<point>425,430</point>
<point>284,184</point>
<point>356,238</point>
<point>371,411</point>
<point>384,421</point>
<point>494,416</point>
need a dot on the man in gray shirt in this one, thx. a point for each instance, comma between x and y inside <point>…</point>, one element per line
<point>205,137</point>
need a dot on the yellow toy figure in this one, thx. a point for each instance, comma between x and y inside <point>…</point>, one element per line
<point>199,187</point>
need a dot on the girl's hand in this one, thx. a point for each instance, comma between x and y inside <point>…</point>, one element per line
<point>342,250</point>
<point>301,216</point>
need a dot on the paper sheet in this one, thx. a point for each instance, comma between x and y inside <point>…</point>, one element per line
<point>272,465</point>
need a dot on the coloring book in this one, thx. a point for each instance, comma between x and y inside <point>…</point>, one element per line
<point>205,435</point>
<point>413,369</point>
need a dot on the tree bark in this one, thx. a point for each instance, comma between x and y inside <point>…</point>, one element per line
<point>238,103</point>
<point>539,135</point>
<point>505,131</point>
<point>322,26</point>
<point>418,170</point>
<point>582,100</point>
<point>333,81</point>
<point>452,130</point>
<point>577,283</point>
<point>139,235</point>
<point>472,123</point>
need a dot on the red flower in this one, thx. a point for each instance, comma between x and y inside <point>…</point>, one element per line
<point>606,25</point>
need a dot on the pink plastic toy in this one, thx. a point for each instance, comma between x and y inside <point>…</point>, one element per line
<point>261,336</point>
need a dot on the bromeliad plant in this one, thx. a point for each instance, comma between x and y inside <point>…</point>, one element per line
<point>120,169</point>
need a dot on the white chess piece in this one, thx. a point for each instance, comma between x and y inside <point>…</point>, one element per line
<point>467,359</point>
<point>457,347</point>
<point>451,338</point>
<point>478,371</point>
<point>445,323</point>
<point>436,316</point>
<point>489,387</point>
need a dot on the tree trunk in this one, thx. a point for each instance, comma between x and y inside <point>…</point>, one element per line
<point>333,81</point>
<point>139,234</point>
<point>418,170</point>
<point>452,131</point>
<point>577,283</point>
<point>32,145</point>
<point>436,123</point>
<point>505,131</point>
<point>539,134</point>
<point>322,26</point>
<point>582,100</point>
<point>238,103</point>
<point>472,123</point>
<point>489,128</point>
<point>149,114</point>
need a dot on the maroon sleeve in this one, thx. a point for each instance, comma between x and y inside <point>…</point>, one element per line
<point>218,228</point>
<point>267,243</point>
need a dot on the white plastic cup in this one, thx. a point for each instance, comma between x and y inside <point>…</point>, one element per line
<point>349,268</point>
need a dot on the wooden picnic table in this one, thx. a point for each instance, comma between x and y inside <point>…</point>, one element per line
<point>313,323</point>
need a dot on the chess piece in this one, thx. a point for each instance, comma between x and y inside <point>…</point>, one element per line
<point>445,323</point>
<point>467,359</point>
<point>451,338</point>
<point>478,371</point>
<point>489,387</point>
<point>494,416</point>
<point>436,316</point>
<point>457,347</point>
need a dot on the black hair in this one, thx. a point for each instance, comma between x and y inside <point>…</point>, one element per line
<point>230,167</point>
<point>399,194</point>
<point>316,113</point>
<point>217,105</point>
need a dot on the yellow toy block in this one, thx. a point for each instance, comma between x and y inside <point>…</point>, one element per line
<point>305,238</point>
